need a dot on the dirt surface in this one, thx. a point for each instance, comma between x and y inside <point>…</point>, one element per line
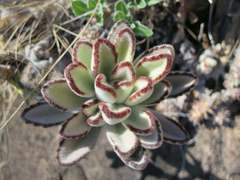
<point>32,155</point>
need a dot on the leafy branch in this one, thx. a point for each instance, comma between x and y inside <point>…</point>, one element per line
<point>122,12</point>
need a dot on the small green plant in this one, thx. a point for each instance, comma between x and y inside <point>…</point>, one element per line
<point>122,12</point>
<point>105,90</point>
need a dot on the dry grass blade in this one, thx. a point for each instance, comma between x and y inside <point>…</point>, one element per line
<point>8,94</point>
<point>5,123</point>
<point>65,30</point>
<point>19,26</point>
<point>29,17</point>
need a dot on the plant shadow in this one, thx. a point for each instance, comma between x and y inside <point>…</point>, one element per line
<point>170,162</point>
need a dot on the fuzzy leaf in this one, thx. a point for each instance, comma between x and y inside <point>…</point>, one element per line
<point>104,57</point>
<point>75,127</point>
<point>82,52</point>
<point>154,140</point>
<point>123,141</point>
<point>123,76</point>
<point>90,107</point>
<point>116,28</point>
<point>157,64</point>
<point>156,50</point>
<point>123,90</point>
<point>141,122</point>
<point>161,90</point>
<point>72,150</point>
<point>125,45</point>
<point>58,94</point>
<point>173,132</point>
<point>104,90</point>
<point>142,90</point>
<point>138,161</point>
<point>123,71</point>
<point>181,82</point>
<point>124,40</point>
<point>113,113</point>
<point>79,79</point>
<point>41,114</point>
<point>95,120</point>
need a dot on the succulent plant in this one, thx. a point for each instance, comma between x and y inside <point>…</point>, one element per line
<point>104,90</point>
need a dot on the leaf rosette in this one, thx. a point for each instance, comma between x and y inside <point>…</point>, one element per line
<point>105,90</point>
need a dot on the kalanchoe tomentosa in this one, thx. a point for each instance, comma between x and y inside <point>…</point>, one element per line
<point>103,89</point>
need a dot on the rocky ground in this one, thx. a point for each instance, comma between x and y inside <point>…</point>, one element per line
<point>214,154</point>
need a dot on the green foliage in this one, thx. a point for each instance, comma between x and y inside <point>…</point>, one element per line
<point>141,30</point>
<point>80,7</point>
<point>153,2</point>
<point>85,7</point>
<point>122,12</point>
<point>140,4</point>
